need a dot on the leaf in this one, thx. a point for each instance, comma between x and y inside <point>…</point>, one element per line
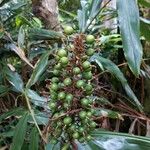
<point>43,34</point>
<point>128,15</point>
<point>20,53</point>
<point>105,140</point>
<point>39,69</point>
<point>12,112</point>
<point>34,142</point>
<point>21,37</point>
<point>15,79</point>
<point>145,3</point>
<point>120,141</point>
<point>114,70</point>
<point>83,17</point>
<point>88,13</point>
<point>20,132</point>
<point>36,99</point>
<point>145,28</point>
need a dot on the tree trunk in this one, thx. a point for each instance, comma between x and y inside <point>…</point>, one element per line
<point>47,11</point>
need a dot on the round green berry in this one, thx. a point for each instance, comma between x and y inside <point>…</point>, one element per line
<point>87,75</point>
<point>67,81</point>
<point>80,83</point>
<point>75,135</point>
<point>89,114</point>
<point>64,60</point>
<point>69,97</point>
<point>88,87</point>
<point>62,53</point>
<point>52,105</point>
<point>82,114</point>
<point>67,120</point>
<point>56,72</point>
<point>85,102</point>
<point>90,39</point>
<point>86,65</point>
<point>88,138</point>
<point>90,52</point>
<point>55,80</point>
<point>92,124</point>
<point>54,87</point>
<point>61,95</point>
<point>57,66</point>
<point>66,105</point>
<point>81,129</point>
<point>76,70</point>
<point>53,96</point>
<point>68,30</point>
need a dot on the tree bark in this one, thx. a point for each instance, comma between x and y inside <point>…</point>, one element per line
<point>47,11</point>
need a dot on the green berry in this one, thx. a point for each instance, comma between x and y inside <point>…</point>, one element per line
<point>52,105</point>
<point>53,96</point>
<point>81,129</point>
<point>62,53</point>
<point>61,95</point>
<point>87,75</point>
<point>90,52</point>
<point>92,124</point>
<point>64,60</point>
<point>55,80</point>
<point>67,120</point>
<point>56,72</point>
<point>67,81</point>
<point>68,30</point>
<point>85,102</point>
<point>58,66</point>
<point>88,138</point>
<point>72,127</point>
<point>80,83</point>
<point>88,87</point>
<point>69,97</point>
<point>89,114</point>
<point>86,65</point>
<point>56,115</point>
<point>90,39</point>
<point>76,70</point>
<point>75,135</point>
<point>54,86</point>
<point>82,114</point>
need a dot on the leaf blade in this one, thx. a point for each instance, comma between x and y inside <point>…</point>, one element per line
<point>20,132</point>
<point>128,15</point>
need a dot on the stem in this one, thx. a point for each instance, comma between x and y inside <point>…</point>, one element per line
<point>33,116</point>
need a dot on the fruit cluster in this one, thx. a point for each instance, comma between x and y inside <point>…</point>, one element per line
<point>70,91</point>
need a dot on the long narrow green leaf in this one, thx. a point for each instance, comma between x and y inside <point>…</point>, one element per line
<point>113,69</point>
<point>128,15</point>
<point>20,132</point>
<point>15,79</point>
<point>43,34</point>
<point>34,143</point>
<point>39,69</point>
<point>105,140</point>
